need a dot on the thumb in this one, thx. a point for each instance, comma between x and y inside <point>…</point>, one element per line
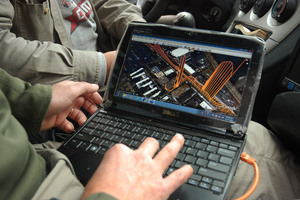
<point>84,88</point>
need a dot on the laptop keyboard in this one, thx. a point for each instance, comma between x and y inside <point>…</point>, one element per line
<point>210,160</point>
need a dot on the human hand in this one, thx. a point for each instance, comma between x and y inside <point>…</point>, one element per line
<point>67,96</point>
<point>127,174</point>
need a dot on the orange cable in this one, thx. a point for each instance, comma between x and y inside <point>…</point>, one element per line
<point>250,160</point>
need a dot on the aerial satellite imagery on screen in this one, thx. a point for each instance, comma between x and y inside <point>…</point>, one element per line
<point>184,76</point>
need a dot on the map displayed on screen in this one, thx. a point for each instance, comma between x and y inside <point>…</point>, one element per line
<point>194,78</point>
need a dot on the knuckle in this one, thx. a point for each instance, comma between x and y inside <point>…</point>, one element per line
<point>169,150</point>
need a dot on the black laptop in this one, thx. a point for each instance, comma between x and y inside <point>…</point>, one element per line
<point>169,80</point>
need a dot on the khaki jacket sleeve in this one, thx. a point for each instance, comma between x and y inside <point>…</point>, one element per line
<point>44,62</point>
<point>115,15</point>
<point>28,103</point>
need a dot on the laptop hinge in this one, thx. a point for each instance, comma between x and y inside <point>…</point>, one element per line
<point>106,104</point>
<point>236,131</point>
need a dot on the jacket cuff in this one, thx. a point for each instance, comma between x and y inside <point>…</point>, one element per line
<point>100,196</point>
<point>89,67</point>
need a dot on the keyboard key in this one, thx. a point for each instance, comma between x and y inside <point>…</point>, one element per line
<point>191,151</point>
<point>195,168</point>
<point>170,170</point>
<point>196,177</point>
<point>117,138</point>
<point>108,136</point>
<point>233,148</point>
<point>102,150</point>
<point>202,154</point>
<point>107,144</point>
<point>112,123</point>
<point>207,180</point>
<point>206,141</point>
<point>139,137</point>
<point>120,125</point>
<point>193,182</point>
<point>226,160</point>
<point>167,137</point>
<point>213,157</point>
<point>214,143</point>
<point>129,134</point>
<point>158,135</point>
<point>84,137</point>
<point>222,145</point>
<point>93,148</point>
<point>92,125</point>
<point>180,156</point>
<point>135,144</point>
<point>96,119</point>
<point>162,143</point>
<point>189,143</point>
<point>212,149</point>
<point>126,141</point>
<point>129,128</point>
<point>204,185</point>
<point>98,133</point>
<point>196,138</point>
<point>101,127</point>
<point>103,121</point>
<point>148,133</point>
<point>111,129</point>
<point>162,130</point>
<point>74,142</point>
<point>212,174</point>
<point>139,130</point>
<point>201,162</point>
<point>179,164</point>
<point>216,189</point>
<point>190,159</point>
<point>226,152</point>
<point>83,145</point>
<point>218,166</point>
<point>120,132</point>
<point>200,145</point>
<point>219,183</point>
<point>86,130</point>
<point>182,150</point>
<point>97,141</point>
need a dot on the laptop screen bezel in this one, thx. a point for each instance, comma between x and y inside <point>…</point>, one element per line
<point>195,35</point>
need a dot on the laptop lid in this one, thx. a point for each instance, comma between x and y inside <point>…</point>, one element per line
<point>195,78</point>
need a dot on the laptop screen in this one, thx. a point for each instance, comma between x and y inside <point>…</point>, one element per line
<point>191,77</point>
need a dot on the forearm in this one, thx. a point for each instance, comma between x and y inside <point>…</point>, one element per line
<point>115,15</point>
<point>47,62</point>
<point>44,62</point>
<point>28,103</point>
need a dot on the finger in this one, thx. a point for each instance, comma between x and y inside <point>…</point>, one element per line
<point>77,115</point>
<point>149,147</point>
<point>95,97</point>
<point>178,177</point>
<point>84,88</point>
<point>169,152</point>
<point>66,126</point>
<point>89,106</point>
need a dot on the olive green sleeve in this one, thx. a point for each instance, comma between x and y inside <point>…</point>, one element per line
<point>100,196</point>
<point>28,103</point>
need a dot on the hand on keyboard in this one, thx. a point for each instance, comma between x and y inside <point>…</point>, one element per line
<point>67,96</point>
<point>128,174</point>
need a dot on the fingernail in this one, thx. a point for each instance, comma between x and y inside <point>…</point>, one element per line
<point>179,136</point>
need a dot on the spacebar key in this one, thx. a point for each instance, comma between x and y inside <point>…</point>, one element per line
<point>212,174</point>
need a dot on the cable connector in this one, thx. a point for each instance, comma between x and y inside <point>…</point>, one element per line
<point>248,159</point>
